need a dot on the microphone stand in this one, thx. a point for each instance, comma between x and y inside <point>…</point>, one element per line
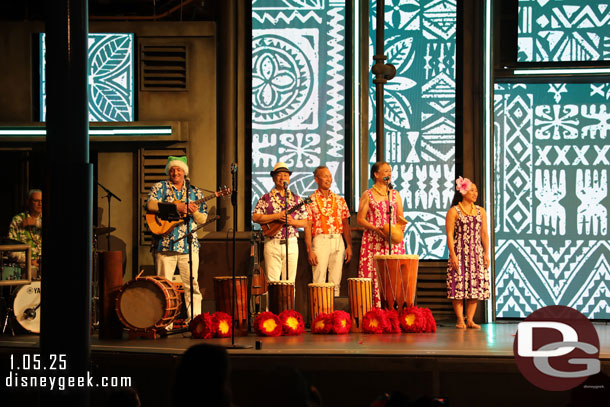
<point>286,224</point>
<point>189,239</point>
<point>388,189</point>
<point>109,195</point>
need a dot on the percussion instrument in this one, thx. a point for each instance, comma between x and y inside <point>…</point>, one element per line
<point>26,307</point>
<point>397,277</point>
<point>321,299</point>
<point>148,303</point>
<point>360,291</point>
<point>398,233</point>
<point>223,293</point>
<point>281,296</point>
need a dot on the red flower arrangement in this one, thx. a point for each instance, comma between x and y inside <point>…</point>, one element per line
<point>268,324</point>
<point>292,323</point>
<point>430,322</point>
<point>323,324</point>
<point>342,322</point>
<point>413,319</point>
<point>374,321</point>
<point>223,323</point>
<point>202,327</point>
<point>393,326</point>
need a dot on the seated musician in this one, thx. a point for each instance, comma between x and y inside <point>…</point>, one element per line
<point>270,209</point>
<point>168,254</point>
<point>26,227</point>
<point>326,230</point>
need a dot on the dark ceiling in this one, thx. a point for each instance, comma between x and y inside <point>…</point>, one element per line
<point>142,10</point>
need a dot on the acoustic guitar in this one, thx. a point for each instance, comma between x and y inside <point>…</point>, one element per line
<point>270,229</point>
<point>162,227</point>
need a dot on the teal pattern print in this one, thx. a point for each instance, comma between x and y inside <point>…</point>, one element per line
<point>111,71</point>
<point>552,159</point>
<point>298,92</point>
<point>419,113</point>
<point>562,31</point>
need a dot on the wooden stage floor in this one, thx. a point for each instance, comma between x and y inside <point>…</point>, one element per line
<point>444,363</point>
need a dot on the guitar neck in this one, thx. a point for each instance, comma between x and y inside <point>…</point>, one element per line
<point>204,199</point>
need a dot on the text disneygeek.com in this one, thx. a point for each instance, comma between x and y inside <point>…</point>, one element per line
<point>19,381</point>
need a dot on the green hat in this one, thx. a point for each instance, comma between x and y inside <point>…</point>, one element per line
<point>176,162</point>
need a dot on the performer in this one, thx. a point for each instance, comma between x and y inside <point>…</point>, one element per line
<point>270,208</point>
<point>329,222</point>
<point>167,254</point>
<point>468,242</point>
<point>372,215</point>
<point>26,227</point>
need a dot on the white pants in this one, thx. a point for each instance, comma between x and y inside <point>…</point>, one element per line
<point>330,250</point>
<point>166,265</point>
<point>275,259</point>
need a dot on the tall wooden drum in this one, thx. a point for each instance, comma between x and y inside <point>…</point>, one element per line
<point>397,277</point>
<point>223,293</point>
<point>360,292</point>
<point>321,299</point>
<point>281,296</point>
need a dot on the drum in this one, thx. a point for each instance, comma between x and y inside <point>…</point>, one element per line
<point>223,292</point>
<point>397,277</point>
<point>360,291</point>
<point>321,299</point>
<point>148,303</point>
<point>26,307</point>
<point>281,296</point>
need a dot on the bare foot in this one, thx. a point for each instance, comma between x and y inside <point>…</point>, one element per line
<point>472,325</point>
<point>460,325</point>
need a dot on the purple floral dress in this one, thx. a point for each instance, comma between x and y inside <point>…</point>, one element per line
<point>471,280</point>
<point>373,243</point>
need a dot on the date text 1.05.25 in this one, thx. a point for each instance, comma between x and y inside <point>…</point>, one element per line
<point>38,362</point>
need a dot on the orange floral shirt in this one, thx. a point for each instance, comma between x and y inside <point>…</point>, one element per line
<point>327,213</point>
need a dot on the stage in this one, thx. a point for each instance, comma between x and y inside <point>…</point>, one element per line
<point>468,367</point>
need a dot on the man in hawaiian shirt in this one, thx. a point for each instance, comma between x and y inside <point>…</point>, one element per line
<point>270,208</point>
<point>326,231</point>
<point>26,227</point>
<point>169,253</point>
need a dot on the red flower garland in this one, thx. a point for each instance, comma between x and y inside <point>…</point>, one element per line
<point>323,324</point>
<point>223,324</point>
<point>267,324</point>
<point>430,322</point>
<point>292,323</point>
<point>374,321</point>
<point>393,326</point>
<point>202,327</point>
<point>342,322</point>
<point>413,319</point>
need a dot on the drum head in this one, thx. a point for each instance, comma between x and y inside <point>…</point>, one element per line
<point>28,298</point>
<point>142,304</point>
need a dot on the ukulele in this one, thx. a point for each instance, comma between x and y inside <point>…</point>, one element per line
<point>161,227</point>
<point>270,229</point>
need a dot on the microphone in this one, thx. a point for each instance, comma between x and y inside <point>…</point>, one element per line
<point>233,168</point>
<point>285,185</point>
<point>386,179</point>
<point>29,313</point>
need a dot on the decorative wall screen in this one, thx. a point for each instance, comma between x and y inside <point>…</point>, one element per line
<point>568,30</point>
<point>298,91</point>
<point>111,67</point>
<point>419,115</point>
<point>552,159</point>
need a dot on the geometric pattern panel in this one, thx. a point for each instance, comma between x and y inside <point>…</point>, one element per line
<point>111,70</point>
<point>552,158</point>
<point>567,30</point>
<point>419,115</point>
<point>298,92</point>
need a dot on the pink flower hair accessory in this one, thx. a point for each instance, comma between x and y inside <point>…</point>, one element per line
<point>463,185</point>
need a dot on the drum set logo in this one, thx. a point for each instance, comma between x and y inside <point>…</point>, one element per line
<point>557,348</point>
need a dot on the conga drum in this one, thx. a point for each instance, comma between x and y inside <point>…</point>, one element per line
<point>223,293</point>
<point>360,291</point>
<point>397,277</point>
<point>148,304</point>
<point>281,296</point>
<point>321,299</point>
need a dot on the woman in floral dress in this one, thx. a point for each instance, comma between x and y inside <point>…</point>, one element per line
<point>372,215</point>
<point>468,242</point>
